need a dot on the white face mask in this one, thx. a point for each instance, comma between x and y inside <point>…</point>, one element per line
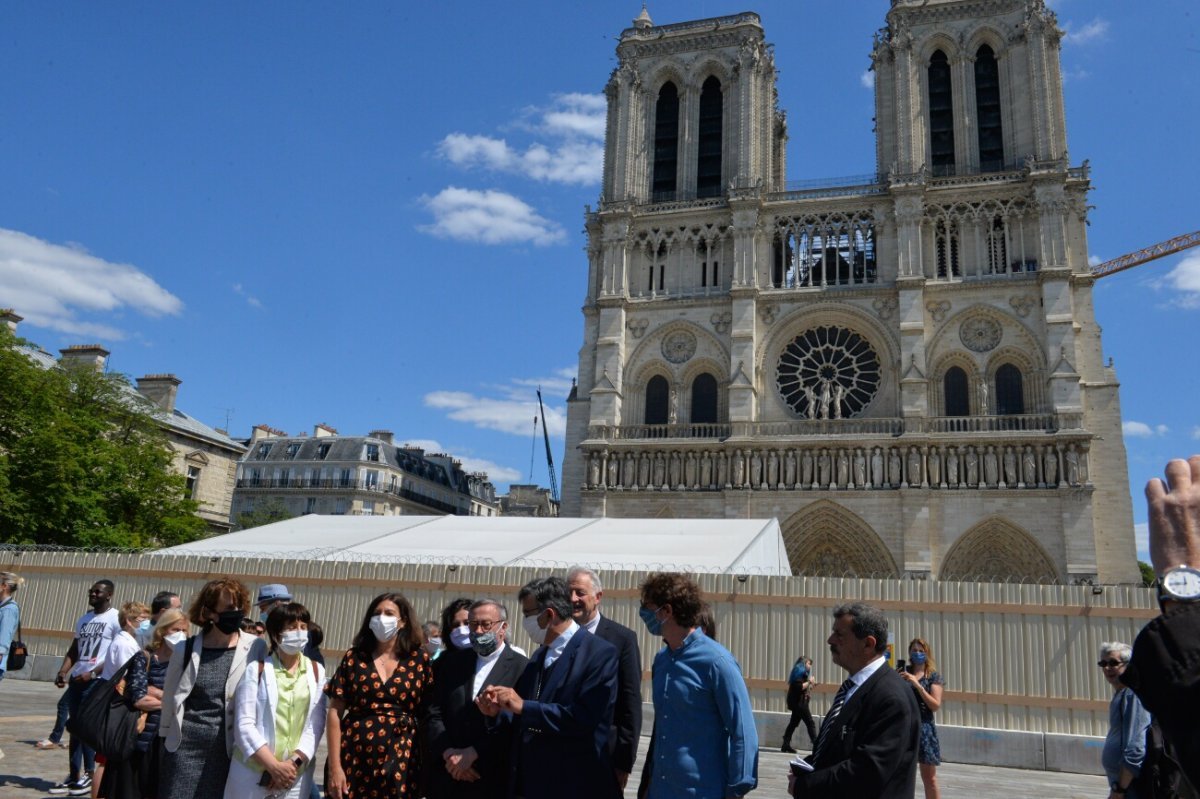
<point>293,642</point>
<point>384,627</point>
<point>461,636</point>
<point>538,634</point>
<point>175,639</point>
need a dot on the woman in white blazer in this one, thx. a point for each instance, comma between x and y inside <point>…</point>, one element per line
<point>279,714</point>
<point>197,703</point>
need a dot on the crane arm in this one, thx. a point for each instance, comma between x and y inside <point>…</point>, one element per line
<point>1147,254</point>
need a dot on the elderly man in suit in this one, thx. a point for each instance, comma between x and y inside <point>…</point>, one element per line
<point>867,745</point>
<point>586,594</point>
<point>561,710</point>
<point>469,761</point>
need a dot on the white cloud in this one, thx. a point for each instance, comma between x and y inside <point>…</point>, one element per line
<point>51,285</point>
<point>1095,260</point>
<point>1094,31</point>
<point>867,79</point>
<point>574,154</point>
<point>495,472</point>
<point>251,300</point>
<point>1196,433</point>
<point>1184,280</point>
<point>488,217</point>
<point>1141,537</point>
<point>511,408</point>
<point>1134,429</point>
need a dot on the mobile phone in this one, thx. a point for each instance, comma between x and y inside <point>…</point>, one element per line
<point>900,665</point>
<point>264,780</point>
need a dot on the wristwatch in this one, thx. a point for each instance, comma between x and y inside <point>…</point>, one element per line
<point>1179,584</point>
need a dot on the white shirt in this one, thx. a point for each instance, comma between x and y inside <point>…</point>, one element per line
<point>862,675</point>
<point>123,647</point>
<point>94,634</point>
<point>593,624</point>
<point>560,643</point>
<point>483,667</point>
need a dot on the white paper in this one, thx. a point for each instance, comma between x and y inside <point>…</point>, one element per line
<point>802,764</point>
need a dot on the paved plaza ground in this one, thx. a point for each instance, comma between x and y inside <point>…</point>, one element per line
<point>27,713</point>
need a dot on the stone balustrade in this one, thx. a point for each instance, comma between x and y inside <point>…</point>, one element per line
<point>883,466</point>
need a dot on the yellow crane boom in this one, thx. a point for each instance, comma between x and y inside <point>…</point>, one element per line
<point>1160,250</point>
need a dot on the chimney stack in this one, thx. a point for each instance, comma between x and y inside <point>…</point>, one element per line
<point>386,436</point>
<point>91,356</point>
<point>323,430</point>
<point>10,318</point>
<point>160,389</point>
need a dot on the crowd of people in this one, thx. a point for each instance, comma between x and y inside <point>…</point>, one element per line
<point>454,710</point>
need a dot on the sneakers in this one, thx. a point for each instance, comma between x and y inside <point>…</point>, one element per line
<point>46,743</point>
<point>79,787</point>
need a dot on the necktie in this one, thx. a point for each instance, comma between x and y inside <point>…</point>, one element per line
<point>826,723</point>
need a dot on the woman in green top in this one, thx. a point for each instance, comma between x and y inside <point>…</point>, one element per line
<point>279,714</point>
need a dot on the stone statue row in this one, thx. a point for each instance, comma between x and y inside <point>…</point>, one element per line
<point>834,468</point>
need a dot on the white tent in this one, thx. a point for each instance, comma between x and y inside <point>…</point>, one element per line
<point>715,546</point>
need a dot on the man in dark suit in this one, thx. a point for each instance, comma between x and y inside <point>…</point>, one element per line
<point>867,745</point>
<point>561,710</point>
<point>586,594</point>
<point>468,761</point>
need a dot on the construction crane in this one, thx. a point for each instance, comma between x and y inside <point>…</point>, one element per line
<point>549,456</point>
<point>1147,254</point>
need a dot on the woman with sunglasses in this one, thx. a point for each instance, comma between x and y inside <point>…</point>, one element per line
<point>1125,744</point>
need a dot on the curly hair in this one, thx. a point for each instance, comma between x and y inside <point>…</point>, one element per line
<point>677,590</point>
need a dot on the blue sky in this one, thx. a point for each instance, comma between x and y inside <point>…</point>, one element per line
<point>371,215</point>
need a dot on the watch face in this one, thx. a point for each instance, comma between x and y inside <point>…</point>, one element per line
<point>1182,582</point>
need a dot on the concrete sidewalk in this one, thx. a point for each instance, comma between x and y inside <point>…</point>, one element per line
<point>27,714</point>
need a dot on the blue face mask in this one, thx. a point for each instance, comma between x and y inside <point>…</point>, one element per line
<point>653,623</point>
<point>916,658</point>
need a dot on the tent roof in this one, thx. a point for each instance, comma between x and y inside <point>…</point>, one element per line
<point>740,546</point>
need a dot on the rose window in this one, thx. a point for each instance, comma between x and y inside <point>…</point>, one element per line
<point>828,373</point>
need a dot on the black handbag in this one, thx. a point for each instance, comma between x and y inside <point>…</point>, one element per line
<point>17,651</point>
<point>105,722</point>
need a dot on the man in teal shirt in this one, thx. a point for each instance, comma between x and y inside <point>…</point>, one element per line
<point>705,743</point>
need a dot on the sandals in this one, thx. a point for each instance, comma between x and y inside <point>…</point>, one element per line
<point>46,743</point>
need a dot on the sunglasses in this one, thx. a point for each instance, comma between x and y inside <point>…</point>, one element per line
<point>1110,664</point>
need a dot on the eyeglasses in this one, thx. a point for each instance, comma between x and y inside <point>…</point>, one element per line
<point>483,625</point>
<point>1110,664</point>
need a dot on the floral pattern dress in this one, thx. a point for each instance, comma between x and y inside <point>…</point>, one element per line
<point>930,749</point>
<point>380,752</point>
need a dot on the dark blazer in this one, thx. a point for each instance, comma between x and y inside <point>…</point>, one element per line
<point>560,740</point>
<point>871,749</point>
<point>627,716</point>
<point>456,723</point>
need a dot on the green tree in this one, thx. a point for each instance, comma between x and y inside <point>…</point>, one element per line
<point>273,510</point>
<point>1148,575</point>
<point>84,461</point>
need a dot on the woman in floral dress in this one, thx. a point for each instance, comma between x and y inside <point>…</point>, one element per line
<point>377,701</point>
<point>921,674</point>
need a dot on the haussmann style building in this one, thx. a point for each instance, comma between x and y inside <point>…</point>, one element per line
<point>904,369</point>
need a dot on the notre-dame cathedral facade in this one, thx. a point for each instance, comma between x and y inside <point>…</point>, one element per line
<point>904,369</point>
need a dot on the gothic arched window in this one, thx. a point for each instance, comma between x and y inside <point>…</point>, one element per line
<point>658,398</point>
<point>946,243</point>
<point>955,398</point>
<point>708,166</point>
<point>704,399</point>
<point>666,142</point>
<point>941,115</point>
<point>1010,395</point>
<point>987,110</point>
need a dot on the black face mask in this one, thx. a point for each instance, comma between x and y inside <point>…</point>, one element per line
<point>229,621</point>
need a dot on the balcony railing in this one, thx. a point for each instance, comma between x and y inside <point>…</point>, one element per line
<point>338,484</point>
<point>870,427</point>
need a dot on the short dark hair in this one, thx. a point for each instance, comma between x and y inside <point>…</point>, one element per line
<point>162,601</point>
<point>677,590</point>
<point>316,636</point>
<point>550,593</point>
<point>451,610</point>
<point>107,584</point>
<point>866,620</point>
<point>283,616</point>
<point>408,639</point>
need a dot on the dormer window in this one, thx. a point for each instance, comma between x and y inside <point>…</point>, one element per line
<point>263,450</point>
<point>292,449</point>
<point>373,452</point>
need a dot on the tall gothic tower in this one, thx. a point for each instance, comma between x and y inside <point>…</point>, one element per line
<point>907,372</point>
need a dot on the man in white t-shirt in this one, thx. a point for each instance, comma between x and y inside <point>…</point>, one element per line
<point>94,634</point>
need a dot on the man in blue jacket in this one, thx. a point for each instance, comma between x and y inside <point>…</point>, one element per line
<point>561,709</point>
